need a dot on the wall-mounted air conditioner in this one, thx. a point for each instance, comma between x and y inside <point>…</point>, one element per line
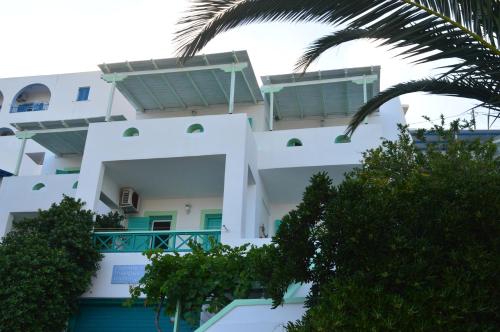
<point>129,200</point>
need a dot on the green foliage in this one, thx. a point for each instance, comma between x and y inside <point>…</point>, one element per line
<point>214,277</point>
<point>110,221</point>
<point>408,242</point>
<point>464,33</point>
<point>46,263</point>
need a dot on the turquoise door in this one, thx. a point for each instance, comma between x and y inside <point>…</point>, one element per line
<point>117,318</point>
<point>213,221</point>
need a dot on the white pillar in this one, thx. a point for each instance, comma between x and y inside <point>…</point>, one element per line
<point>20,156</point>
<point>271,110</point>
<point>231,91</point>
<point>110,100</point>
<point>365,92</point>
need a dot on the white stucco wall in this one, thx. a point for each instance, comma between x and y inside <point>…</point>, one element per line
<point>17,195</point>
<point>167,138</point>
<point>52,163</point>
<point>254,111</point>
<point>184,221</point>
<point>63,104</point>
<point>260,318</point>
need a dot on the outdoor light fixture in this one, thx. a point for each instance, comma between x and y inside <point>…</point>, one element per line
<point>188,208</point>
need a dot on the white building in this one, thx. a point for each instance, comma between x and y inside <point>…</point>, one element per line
<point>207,151</point>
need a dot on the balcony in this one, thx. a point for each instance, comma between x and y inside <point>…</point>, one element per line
<point>139,241</point>
<point>29,107</point>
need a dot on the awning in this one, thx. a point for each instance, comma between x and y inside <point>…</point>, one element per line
<point>62,137</point>
<point>204,80</point>
<point>321,94</point>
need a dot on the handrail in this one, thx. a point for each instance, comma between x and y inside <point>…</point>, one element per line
<point>139,241</point>
<point>207,231</point>
<point>29,107</point>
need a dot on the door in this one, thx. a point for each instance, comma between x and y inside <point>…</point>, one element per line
<point>161,223</point>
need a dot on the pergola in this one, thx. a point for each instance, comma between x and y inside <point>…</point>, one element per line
<point>319,94</point>
<point>167,85</point>
<point>61,137</point>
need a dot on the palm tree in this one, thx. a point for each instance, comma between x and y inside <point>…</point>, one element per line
<point>467,31</point>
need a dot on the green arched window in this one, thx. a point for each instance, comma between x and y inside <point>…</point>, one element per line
<point>38,186</point>
<point>131,132</point>
<point>75,185</point>
<point>342,139</point>
<point>294,142</point>
<point>195,128</point>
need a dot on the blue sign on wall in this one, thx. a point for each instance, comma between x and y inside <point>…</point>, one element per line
<point>127,274</point>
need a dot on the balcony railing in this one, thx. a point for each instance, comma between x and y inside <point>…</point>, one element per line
<point>29,107</point>
<point>169,241</point>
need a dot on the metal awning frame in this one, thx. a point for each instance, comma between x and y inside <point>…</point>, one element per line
<point>116,79</point>
<point>277,87</point>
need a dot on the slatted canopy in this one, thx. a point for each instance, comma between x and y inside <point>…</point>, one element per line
<point>62,137</point>
<point>204,80</point>
<point>321,94</point>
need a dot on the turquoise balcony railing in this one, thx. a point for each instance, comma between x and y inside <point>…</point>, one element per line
<point>139,241</point>
<point>29,107</point>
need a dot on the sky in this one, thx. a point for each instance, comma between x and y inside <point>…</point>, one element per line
<point>64,36</point>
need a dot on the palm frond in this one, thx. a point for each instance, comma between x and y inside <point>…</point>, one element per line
<point>465,89</point>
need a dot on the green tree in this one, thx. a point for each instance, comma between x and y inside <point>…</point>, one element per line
<point>464,31</point>
<point>410,241</point>
<point>46,263</point>
<point>187,282</point>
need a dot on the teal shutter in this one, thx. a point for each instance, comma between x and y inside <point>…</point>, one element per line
<point>277,224</point>
<point>213,221</point>
<point>139,223</point>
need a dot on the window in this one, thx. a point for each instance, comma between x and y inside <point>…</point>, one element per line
<point>68,170</point>
<point>342,139</point>
<point>131,132</point>
<point>38,186</point>
<point>294,142</point>
<point>75,185</point>
<point>83,93</point>
<point>195,128</point>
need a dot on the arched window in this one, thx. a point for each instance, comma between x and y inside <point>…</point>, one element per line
<point>1,100</point>
<point>195,128</point>
<point>6,132</point>
<point>34,97</point>
<point>342,139</point>
<point>294,142</point>
<point>38,186</point>
<point>75,185</point>
<point>131,132</point>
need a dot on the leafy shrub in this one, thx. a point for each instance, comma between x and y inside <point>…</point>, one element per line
<point>410,241</point>
<point>46,263</point>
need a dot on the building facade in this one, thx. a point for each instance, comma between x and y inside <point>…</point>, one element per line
<point>187,152</point>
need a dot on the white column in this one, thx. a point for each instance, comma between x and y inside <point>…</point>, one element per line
<point>271,110</point>
<point>231,91</point>
<point>110,100</point>
<point>20,156</point>
<point>365,92</point>
<point>90,183</point>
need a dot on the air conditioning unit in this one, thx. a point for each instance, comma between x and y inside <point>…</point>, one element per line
<point>129,200</point>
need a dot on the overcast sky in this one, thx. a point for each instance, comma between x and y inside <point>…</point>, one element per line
<point>62,36</point>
